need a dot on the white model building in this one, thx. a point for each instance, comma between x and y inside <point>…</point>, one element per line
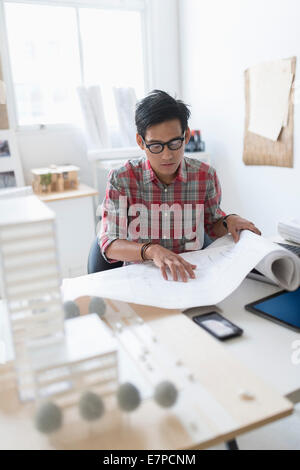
<point>86,360</point>
<point>50,360</point>
<point>30,280</point>
<point>73,365</point>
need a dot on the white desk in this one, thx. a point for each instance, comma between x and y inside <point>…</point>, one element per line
<point>265,347</point>
<point>214,412</point>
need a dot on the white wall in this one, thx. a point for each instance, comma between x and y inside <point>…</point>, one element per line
<point>219,40</point>
<point>164,46</point>
<point>46,147</point>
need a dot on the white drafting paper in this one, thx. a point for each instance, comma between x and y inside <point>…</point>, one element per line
<point>96,102</point>
<point>220,270</point>
<point>270,85</point>
<point>290,230</point>
<point>125,99</point>
<point>89,118</point>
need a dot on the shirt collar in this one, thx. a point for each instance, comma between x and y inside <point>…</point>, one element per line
<point>149,175</point>
<point>182,172</point>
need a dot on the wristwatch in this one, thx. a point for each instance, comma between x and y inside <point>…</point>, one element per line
<point>224,220</point>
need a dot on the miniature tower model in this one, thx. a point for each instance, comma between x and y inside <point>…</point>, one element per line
<point>86,360</point>
<point>30,281</point>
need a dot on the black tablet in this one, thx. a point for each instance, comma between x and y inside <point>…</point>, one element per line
<point>283,308</point>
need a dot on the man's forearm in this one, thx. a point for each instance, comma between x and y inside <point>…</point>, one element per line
<point>124,250</point>
<point>219,229</point>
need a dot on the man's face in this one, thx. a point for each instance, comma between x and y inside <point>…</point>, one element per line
<point>166,163</point>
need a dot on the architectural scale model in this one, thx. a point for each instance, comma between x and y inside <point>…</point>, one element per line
<point>54,179</point>
<point>65,364</point>
<point>85,374</point>
<point>30,280</point>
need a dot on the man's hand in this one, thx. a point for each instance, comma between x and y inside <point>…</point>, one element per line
<point>164,258</point>
<point>235,224</point>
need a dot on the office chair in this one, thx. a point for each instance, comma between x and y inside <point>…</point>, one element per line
<point>96,261</point>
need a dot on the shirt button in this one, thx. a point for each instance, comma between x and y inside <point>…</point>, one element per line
<point>165,236</point>
<point>166,214</point>
<point>166,190</point>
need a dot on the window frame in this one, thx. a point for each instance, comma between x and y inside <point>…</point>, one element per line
<point>142,6</point>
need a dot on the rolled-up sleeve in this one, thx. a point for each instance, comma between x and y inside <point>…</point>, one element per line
<point>212,210</point>
<point>113,215</point>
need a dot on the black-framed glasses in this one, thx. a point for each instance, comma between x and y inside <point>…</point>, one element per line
<point>158,147</point>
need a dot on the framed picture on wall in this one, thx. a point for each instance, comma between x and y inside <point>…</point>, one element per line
<point>11,174</point>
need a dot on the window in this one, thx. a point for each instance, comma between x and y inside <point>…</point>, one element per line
<point>45,64</point>
<point>54,49</point>
<point>112,53</point>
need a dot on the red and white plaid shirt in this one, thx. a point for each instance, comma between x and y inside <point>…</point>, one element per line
<point>146,205</point>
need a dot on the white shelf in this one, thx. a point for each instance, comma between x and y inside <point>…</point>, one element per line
<point>203,156</point>
<point>82,191</point>
<point>109,164</point>
<point>115,153</point>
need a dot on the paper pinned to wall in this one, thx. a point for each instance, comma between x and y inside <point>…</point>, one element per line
<point>259,150</point>
<point>2,92</point>
<point>270,86</point>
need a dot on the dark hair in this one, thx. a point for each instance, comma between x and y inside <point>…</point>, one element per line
<point>159,107</point>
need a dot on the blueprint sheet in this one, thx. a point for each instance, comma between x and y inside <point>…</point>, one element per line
<point>220,270</point>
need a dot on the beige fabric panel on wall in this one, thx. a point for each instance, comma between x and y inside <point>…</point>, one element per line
<point>4,124</point>
<point>261,151</point>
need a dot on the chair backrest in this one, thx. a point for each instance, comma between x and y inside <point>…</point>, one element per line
<point>96,262</point>
<point>207,241</point>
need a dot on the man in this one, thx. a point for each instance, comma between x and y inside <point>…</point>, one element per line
<point>142,195</point>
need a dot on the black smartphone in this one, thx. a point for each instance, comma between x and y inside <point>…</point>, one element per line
<point>218,326</point>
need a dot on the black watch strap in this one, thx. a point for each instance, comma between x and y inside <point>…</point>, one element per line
<point>143,249</point>
<point>224,220</point>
